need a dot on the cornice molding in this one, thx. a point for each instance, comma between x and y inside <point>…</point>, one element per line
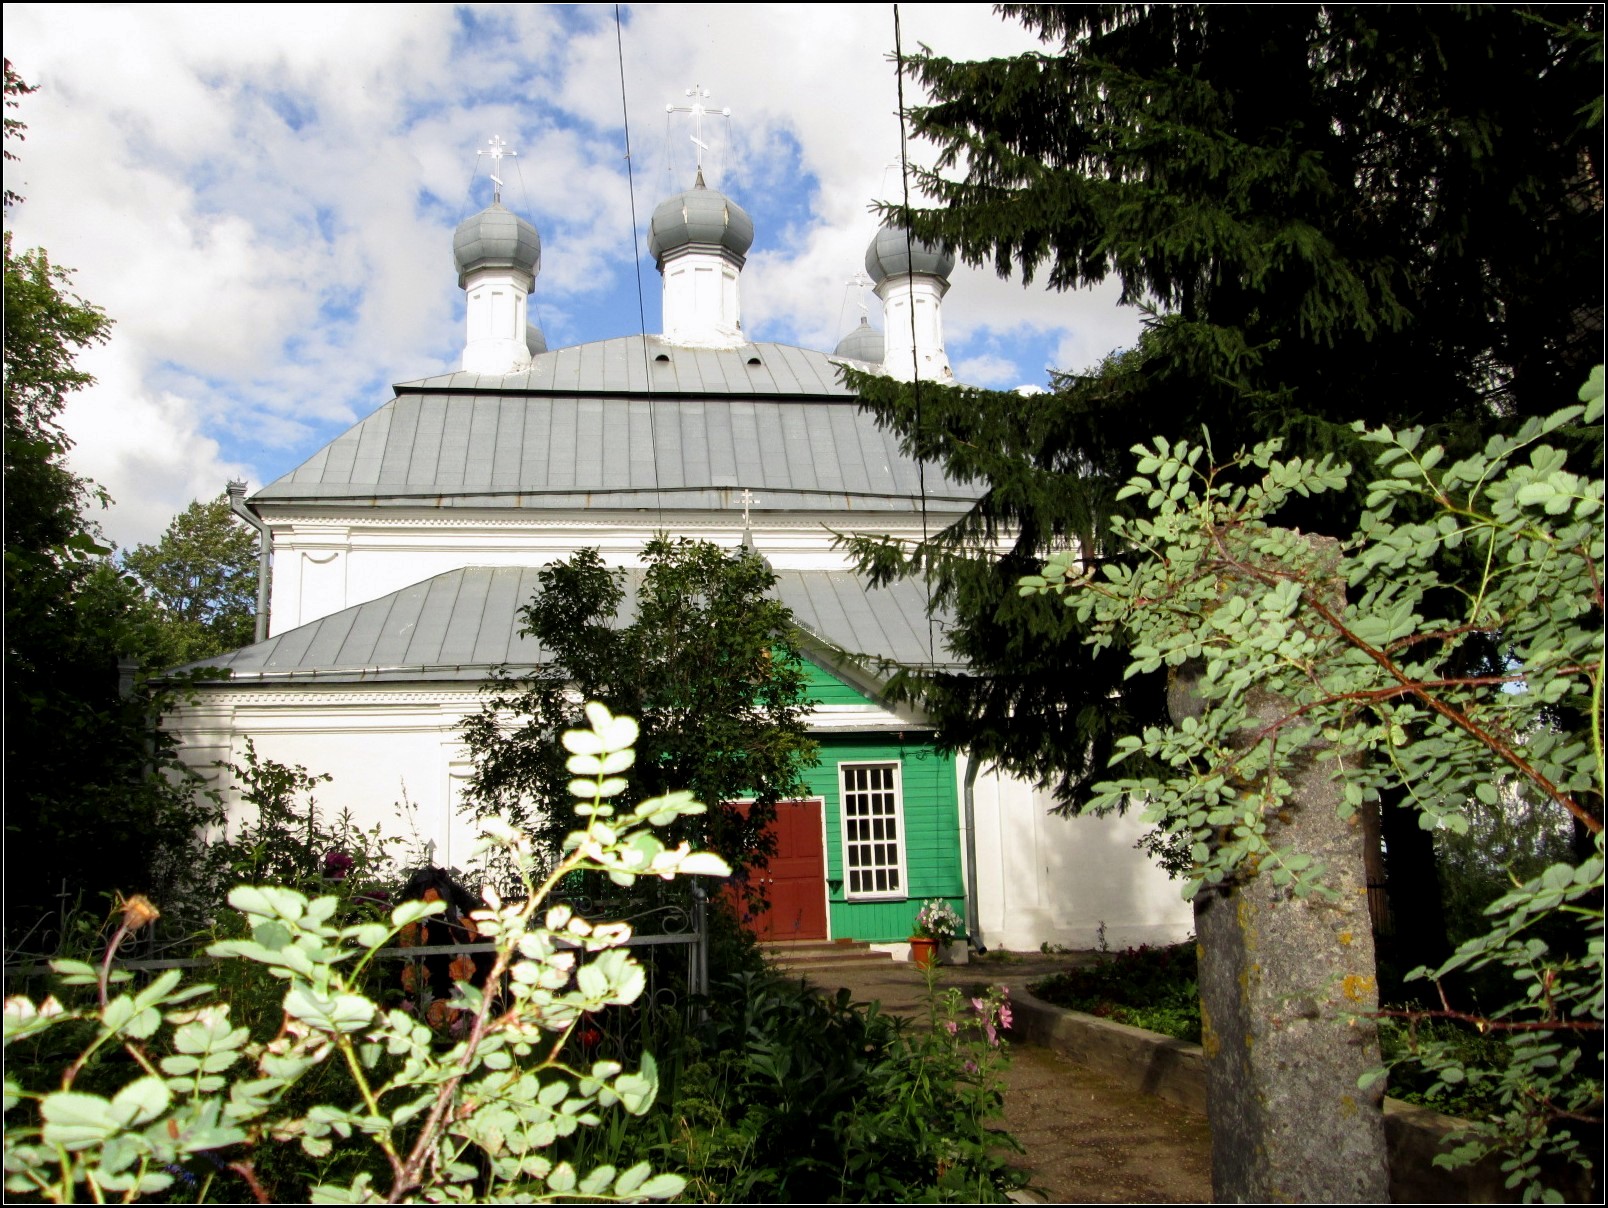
<point>641,520</point>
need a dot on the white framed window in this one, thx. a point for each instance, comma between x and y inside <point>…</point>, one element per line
<point>873,831</point>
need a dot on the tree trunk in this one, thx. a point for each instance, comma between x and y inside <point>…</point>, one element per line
<point>1285,984</point>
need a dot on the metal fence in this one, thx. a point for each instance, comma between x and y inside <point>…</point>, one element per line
<point>659,923</point>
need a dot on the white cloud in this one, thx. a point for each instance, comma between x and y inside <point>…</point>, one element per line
<point>144,447</point>
<point>988,370</point>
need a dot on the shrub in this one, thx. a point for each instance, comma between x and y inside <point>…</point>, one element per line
<point>1145,987</point>
<point>780,1095</point>
<point>471,1118</point>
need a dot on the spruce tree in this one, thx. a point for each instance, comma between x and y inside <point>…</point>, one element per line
<point>1328,214</point>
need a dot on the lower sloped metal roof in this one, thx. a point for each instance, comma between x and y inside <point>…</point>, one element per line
<point>458,625</point>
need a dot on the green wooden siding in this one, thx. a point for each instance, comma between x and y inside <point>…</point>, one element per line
<point>824,688</point>
<point>929,807</point>
<point>931,832</point>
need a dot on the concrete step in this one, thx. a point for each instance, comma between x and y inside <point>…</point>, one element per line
<point>804,955</point>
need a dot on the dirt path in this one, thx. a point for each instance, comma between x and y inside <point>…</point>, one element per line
<point>1087,1140</point>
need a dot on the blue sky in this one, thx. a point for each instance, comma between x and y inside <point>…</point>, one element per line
<point>263,198</point>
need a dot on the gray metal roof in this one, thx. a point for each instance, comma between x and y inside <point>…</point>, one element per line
<point>579,431</point>
<point>868,624</point>
<point>457,625</point>
<point>864,343</point>
<point>633,365</point>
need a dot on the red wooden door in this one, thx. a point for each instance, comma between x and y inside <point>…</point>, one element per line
<point>795,879</point>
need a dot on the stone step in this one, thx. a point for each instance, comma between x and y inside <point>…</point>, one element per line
<point>805,955</point>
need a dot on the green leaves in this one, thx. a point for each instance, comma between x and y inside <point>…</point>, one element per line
<point>338,1013</point>
<point>706,664</point>
<point>76,1121</point>
<point>608,735</point>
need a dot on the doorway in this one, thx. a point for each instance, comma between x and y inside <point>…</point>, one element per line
<point>795,879</point>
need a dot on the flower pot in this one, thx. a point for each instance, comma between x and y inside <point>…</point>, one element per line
<point>923,951</point>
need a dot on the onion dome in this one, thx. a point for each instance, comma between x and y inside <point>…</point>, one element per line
<point>496,238</point>
<point>701,216</point>
<point>864,343</point>
<point>535,340</point>
<point>891,254</point>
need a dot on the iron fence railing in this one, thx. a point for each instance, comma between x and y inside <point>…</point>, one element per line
<point>683,924</point>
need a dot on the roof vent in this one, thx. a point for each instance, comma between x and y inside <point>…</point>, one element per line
<point>662,359</point>
<point>753,360</point>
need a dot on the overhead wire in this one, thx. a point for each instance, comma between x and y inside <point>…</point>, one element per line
<point>636,247</point>
<point>915,355</point>
<point>529,209</point>
<point>915,386</point>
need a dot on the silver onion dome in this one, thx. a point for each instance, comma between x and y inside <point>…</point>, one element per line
<point>701,216</point>
<point>496,238</point>
<point>892,254</point>
<point>864,343</point>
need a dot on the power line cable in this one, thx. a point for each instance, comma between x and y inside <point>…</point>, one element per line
<point>915,357</point>
<point>636,247</point>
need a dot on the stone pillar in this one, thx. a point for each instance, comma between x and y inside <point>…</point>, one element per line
<point>1282,983</point>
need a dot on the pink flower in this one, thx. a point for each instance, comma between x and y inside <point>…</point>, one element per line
<point>980,1005</point>
<point>1005,1015</point>
<point>971,1067</point>
<point>951,1026</point>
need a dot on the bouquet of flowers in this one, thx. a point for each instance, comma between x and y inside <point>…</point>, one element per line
<point>937,921</point>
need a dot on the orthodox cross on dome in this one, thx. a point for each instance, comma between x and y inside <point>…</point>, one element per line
<point>699,111</point>
<point>497,149</point>
<point>748,500</point>
<point>862,283</point>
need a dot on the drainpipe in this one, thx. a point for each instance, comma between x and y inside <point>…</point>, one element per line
<point>237,505</point>
<point>974,927</point>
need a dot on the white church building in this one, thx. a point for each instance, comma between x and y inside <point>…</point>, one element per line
<point>402,550</point>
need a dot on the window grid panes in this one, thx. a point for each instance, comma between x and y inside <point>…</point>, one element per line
<point>871,825</point>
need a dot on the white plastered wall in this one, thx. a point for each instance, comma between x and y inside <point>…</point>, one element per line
<point>702,298</point>
<point>496,314</point>
<point>926,356</point>
<point>1044,879</point>
<point>381,745</point>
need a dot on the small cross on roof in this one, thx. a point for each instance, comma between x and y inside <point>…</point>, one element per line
<point>496,149</point>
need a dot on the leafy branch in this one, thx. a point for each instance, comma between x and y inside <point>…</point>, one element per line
<point>503,1090</point>
<point>1246,612</point>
